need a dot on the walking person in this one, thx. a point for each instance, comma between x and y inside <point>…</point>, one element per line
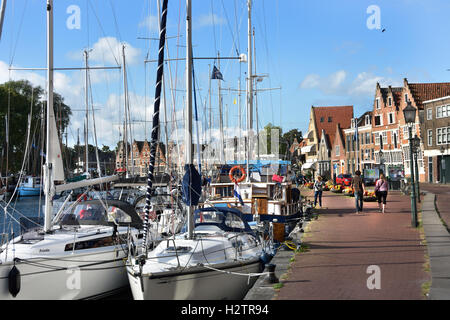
<point>381,191</point>
<point>318,189</point>
<point>358,189</point>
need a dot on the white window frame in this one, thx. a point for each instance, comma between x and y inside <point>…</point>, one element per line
<point>338,150</point>
<point>384,138</point>
<point>430,114</point>
<point>389,117</point>
<point>381,120</point>
<point>430,137</point>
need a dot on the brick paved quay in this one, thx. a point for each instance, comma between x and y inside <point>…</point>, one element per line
<point>342,245</point>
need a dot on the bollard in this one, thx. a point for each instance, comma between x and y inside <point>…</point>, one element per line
<point>271,278</point>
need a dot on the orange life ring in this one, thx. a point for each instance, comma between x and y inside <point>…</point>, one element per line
<point>243,175</point>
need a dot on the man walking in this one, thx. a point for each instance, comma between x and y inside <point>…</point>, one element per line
<point>358,189</point>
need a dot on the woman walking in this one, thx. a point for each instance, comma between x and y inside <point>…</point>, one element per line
<point>318,187</point>
<point>381,190</point>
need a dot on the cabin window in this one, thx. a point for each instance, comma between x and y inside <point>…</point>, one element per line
<point>225,191</point>
<point>91,244</point>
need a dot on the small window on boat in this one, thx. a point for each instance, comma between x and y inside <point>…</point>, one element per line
<point>178,249</point>
<point>225,191</point>
<point>91,244</point>
<point>233,221</point>
<point>118,215</point>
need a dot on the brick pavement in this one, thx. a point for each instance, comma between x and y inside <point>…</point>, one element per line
<point>342,245</point>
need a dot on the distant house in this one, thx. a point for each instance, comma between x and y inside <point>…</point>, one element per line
<point>338,154</point>
<point>139,158</point>
<point>322,127</point>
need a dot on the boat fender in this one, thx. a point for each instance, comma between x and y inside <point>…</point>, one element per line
<point>14,281</point>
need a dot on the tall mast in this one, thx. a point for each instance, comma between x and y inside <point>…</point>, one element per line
<point>2,16</point>
<point>188,115</point>
<point>125,127</point>
<point>222,142</point>
<point>86,129</point>
<point>156,108</point>
<point>249,88</point>
<point>48,166</point>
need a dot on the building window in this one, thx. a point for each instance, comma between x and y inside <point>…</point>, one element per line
<point>406,97</point>
<point>330,119</point>
<point>378,121</point>
<point>322,119</point>
<point>442,111</point>
<point>391,118</point>
<point>377,139</point>
<point>384,138</point>
<point>338,150</point>
<point>443,135</point>
<point>390,101</point>
<point>430,137</point>
<point>429,114</point>
<point>395,139</point>
<point>378,103</point>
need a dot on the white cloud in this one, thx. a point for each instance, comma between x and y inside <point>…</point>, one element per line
<point>365,83</point>
<point>311,81</point>
<point>207,20</point>
<point>151,23</point>
<point>329,85</point>
<point>108,50</point>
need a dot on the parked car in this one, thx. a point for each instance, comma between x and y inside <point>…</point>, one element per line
<point>344,179</point>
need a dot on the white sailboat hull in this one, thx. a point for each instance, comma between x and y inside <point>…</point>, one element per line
<point>199,284</point>
<point>79,276</point>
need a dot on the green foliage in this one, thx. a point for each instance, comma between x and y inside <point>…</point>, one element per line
<point>21,97</point>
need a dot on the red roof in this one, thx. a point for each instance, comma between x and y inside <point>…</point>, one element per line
<point>326,118</point>
<point>428,91</point>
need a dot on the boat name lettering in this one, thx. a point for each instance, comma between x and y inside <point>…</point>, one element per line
<point>44,250</point>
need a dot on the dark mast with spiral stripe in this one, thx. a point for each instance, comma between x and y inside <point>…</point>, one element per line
<point>156,127</point>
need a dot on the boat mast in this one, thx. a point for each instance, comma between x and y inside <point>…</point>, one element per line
<point>86,129</point>
<point>126,108</point>
<point>188,114</point>
<point>48,166</point>
<point>156,126</point>
<point>2,16</point>
<point>249,90</point>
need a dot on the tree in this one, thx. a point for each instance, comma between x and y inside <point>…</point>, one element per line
<point>17,98</point>
<point>290,136</point>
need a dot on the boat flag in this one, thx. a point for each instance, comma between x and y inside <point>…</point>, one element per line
<point>216,74</point>
<point>237,193</point>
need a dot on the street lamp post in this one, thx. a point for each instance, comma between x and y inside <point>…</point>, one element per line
<point>443,165</point>
<point>416,154</point>
<point>410,118</point>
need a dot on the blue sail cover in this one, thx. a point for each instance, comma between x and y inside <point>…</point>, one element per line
<point>192,185</point>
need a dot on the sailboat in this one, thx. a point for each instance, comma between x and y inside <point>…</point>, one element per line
<point>217,255</point>
<point>79,253</point>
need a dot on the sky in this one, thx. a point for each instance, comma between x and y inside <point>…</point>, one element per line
<point>321,53</point>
